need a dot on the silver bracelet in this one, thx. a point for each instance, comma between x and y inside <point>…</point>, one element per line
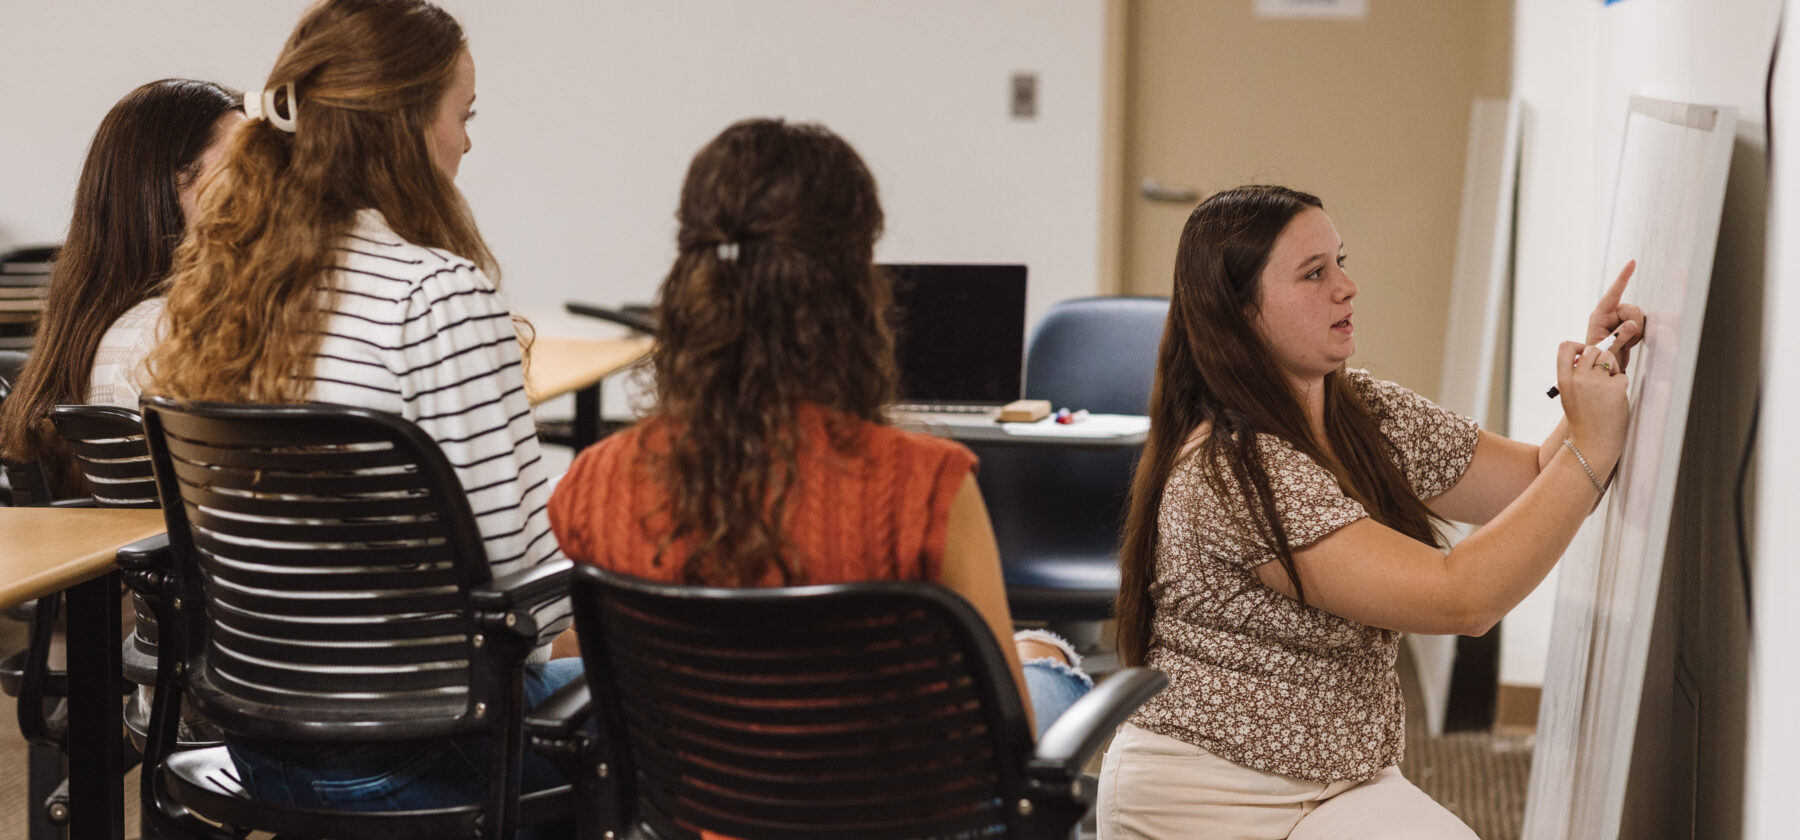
<point>1584,466</point>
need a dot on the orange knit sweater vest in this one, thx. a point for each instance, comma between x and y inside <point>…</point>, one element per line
<point>878,512</point>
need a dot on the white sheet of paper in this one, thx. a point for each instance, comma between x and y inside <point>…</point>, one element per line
<point>1094,426</point>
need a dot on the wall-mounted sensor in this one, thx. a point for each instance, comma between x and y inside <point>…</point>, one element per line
<point>1024,96</point>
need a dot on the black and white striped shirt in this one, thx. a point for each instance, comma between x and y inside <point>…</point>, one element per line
<point>423,333</point>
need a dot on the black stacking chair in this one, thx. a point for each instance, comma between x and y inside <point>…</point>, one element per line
<point>328,585</point>
<point>109,449</point>
<point>868,711</point>
<point>27,483</point>
<point>24,275</point>
<point>1058,510</point>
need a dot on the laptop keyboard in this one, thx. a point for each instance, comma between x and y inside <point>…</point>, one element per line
<point>949,408</point>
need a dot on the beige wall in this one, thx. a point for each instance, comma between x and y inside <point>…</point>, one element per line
<point>1371,115</point>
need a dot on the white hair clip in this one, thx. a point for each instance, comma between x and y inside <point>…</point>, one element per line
<point>727,251</point>
<point>260,105</point>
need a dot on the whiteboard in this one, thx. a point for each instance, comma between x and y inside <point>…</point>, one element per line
<point>1473,341</point>
<point>1665,213</point>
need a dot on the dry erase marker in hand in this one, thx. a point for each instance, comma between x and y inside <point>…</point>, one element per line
<point>1605,344</point>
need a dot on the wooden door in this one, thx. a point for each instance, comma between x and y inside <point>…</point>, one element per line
<point>1371,115</point>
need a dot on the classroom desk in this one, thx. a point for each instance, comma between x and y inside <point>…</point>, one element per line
<point>44,550</point>
<point>578,365</point>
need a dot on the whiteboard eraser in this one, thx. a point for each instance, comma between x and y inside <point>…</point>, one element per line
<point>1024,411</point>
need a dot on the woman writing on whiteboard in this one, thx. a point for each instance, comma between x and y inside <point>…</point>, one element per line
<point>1281,537</point>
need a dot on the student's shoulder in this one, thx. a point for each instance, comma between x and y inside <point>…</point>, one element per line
<point>1384,397</point>
<point>372,257</point>
<point>1282,462</point>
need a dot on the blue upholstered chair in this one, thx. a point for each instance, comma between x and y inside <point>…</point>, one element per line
<point>1057,510</point>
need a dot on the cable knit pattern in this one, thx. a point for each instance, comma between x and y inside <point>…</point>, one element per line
<point>880,512</point>
<point>1253,676</point>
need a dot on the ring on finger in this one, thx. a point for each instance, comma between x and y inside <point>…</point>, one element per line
<point>1607,366</point>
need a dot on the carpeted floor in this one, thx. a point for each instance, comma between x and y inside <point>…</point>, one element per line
<point>1479,776</point>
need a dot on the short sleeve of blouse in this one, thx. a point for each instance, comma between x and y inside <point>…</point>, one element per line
<point>1308,501</point>
<point>1307,496</point>
<point>1434,444</point>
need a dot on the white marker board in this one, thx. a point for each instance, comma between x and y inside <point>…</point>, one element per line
<point>1665,214</point>
<point>1473,341</point>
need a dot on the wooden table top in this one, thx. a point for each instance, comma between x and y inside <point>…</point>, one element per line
<point>565,365</point>
<point>43,550</point>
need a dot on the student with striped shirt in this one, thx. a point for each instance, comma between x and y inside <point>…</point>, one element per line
<point>334,260</point>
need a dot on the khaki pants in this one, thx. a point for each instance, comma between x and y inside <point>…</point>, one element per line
<point>1154,786</point>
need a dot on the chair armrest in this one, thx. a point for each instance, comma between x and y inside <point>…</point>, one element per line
<point>147,553</point>
<point>510,600</point>
<point>1072,739</point>
<point>557,729</point>
<point>633,320</point>
<point>524,589</point>
<point>563,713</point>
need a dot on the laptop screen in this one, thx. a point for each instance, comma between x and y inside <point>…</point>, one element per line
<point>960,332</point>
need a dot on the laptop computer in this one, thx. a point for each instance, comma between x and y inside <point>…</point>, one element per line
<point>960,338</point>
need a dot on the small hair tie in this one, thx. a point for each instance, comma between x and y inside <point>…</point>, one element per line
<point>727,251</point>
<point>260,105</point>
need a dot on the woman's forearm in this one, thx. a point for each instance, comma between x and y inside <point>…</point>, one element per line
<point>1503,562</point>
<point>1552,444</point>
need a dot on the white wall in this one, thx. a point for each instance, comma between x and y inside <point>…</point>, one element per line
<point>1576,65</point>
<point>589,113</point>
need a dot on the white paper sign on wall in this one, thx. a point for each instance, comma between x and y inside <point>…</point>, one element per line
<point>1339,9</point>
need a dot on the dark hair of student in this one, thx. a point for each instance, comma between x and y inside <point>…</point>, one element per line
<point>245,314</point>
<point>774,299</point>
<point>121,240</point>
<point>1214,367</point>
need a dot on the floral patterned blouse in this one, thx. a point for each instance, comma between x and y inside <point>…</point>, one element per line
<point>1253,676</point>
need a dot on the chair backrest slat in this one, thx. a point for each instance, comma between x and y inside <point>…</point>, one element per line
<point>876,709</point>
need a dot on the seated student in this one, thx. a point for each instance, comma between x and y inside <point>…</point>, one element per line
<point>136,192</point>
<point>334,260</point>
<point>1281,538</point>
<point>767,461</point>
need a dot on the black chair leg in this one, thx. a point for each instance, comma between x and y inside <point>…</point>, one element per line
<point>46,774</point>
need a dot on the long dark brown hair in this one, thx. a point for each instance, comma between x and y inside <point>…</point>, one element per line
<point>1214,368</point>
<point>127,221</point>
<point>245,314</point>
<point>773,300</point>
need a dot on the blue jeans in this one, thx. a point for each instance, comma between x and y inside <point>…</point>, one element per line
<point>1054,687</point>
<point>392,776</point>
